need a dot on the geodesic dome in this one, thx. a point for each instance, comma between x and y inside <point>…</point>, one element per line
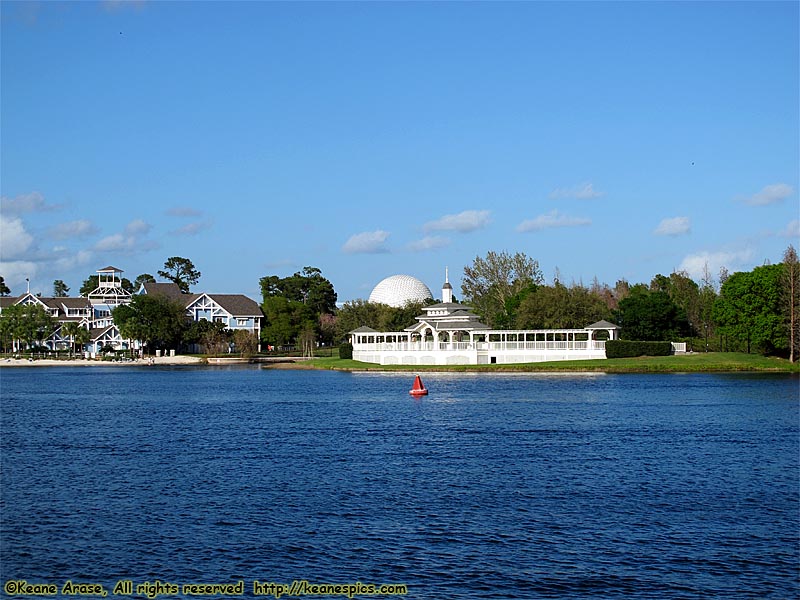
<point>399,290</point>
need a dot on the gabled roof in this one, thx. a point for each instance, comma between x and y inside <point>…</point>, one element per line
<point>60,304</point>
<point>72,302</point>
<point>170,290</point>
<point>447,325</point>
<point>238,305</point>
<point>6,301</point>
<point>23,297</point>
<point>100,332</point>
<point>364,329</point>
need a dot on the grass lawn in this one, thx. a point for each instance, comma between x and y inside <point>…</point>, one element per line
<point>686,363</point>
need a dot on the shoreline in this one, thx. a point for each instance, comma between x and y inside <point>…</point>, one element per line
<point>534,368</point>
<point>84,362</point>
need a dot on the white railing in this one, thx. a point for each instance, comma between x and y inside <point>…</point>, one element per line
<point>499,346</point>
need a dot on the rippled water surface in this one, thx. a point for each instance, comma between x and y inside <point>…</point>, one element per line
<point>511,486</point>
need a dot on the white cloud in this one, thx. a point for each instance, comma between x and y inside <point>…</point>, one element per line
<point>137,227</point>
<point>192,228</point>
<point>368,242</point>
<point>792,229</point>
<point>771,194</point>
<point>114,243</point>
<point>26,203</point>
<point>183,211</point>
<point>584,191</point>
<point>14,239</point>
<point>552,219</point>
<point>129,241</point>
<point>430,242</point>
<point>73,229</point>
<point>14,273</point>
<point>673,226</point>
<point>463,222</point>
<point>67,261</point>
<point>732,260</point>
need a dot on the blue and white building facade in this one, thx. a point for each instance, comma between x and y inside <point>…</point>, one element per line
<point>94,312</point>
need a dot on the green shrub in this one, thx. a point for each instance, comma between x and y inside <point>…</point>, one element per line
<point>628,349</point>
<point>346,350</point>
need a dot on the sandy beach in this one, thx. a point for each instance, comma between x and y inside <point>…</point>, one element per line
<point>82,362</point>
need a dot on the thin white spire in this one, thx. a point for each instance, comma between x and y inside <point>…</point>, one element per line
<point>447,289</point>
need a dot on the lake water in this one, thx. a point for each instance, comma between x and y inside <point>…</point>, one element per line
<point>493,486</point>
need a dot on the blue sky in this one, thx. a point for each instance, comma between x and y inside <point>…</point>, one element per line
<point>608,140</point>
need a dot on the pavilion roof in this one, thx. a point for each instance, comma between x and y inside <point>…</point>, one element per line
<point>364,329</point>
<point>602,325</point>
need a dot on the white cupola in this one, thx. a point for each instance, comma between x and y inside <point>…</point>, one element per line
<point>447,289</point>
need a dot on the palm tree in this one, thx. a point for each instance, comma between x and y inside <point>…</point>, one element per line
<point>76,333</point>
<point>82,336</point>
<point>70,329</point>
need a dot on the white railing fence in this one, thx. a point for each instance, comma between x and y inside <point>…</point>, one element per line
<point>498,346</point>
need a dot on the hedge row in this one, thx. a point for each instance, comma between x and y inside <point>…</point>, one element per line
<point>628,349</point>
<point>346,350</point>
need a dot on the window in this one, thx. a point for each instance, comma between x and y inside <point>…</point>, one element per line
<point>242,322</point>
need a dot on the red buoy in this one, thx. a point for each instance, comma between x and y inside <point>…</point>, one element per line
<point>419,388</point>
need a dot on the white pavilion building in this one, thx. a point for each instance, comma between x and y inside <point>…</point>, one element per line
<point>448,333</point>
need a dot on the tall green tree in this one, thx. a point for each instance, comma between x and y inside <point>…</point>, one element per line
<point>27,323</point>
<point>77,335</point>
<point>491,282</point>
<point>307,286</point>
<point>359,313</point>
<point>180,271</point>
<point>707,295</point>
<point>143,278</point>
<point>70,330</point>
<point>790,289</point>
<point>294,304</point>
<point>650,316</point>
<point>10,320</point>
<point>749,311</point>
<point>60,289</point>
<point>4,289</point>
<point>212,335</point>
<point>153,319</point>
<point>562,307</point>
<point>684,292</point>
<point>284,319</point>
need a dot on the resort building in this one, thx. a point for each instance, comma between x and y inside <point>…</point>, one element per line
<point>93,312</point>
<point>448,333</point>
<point>236,311</point>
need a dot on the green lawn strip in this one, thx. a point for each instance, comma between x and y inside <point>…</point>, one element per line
<point>687,363</point>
